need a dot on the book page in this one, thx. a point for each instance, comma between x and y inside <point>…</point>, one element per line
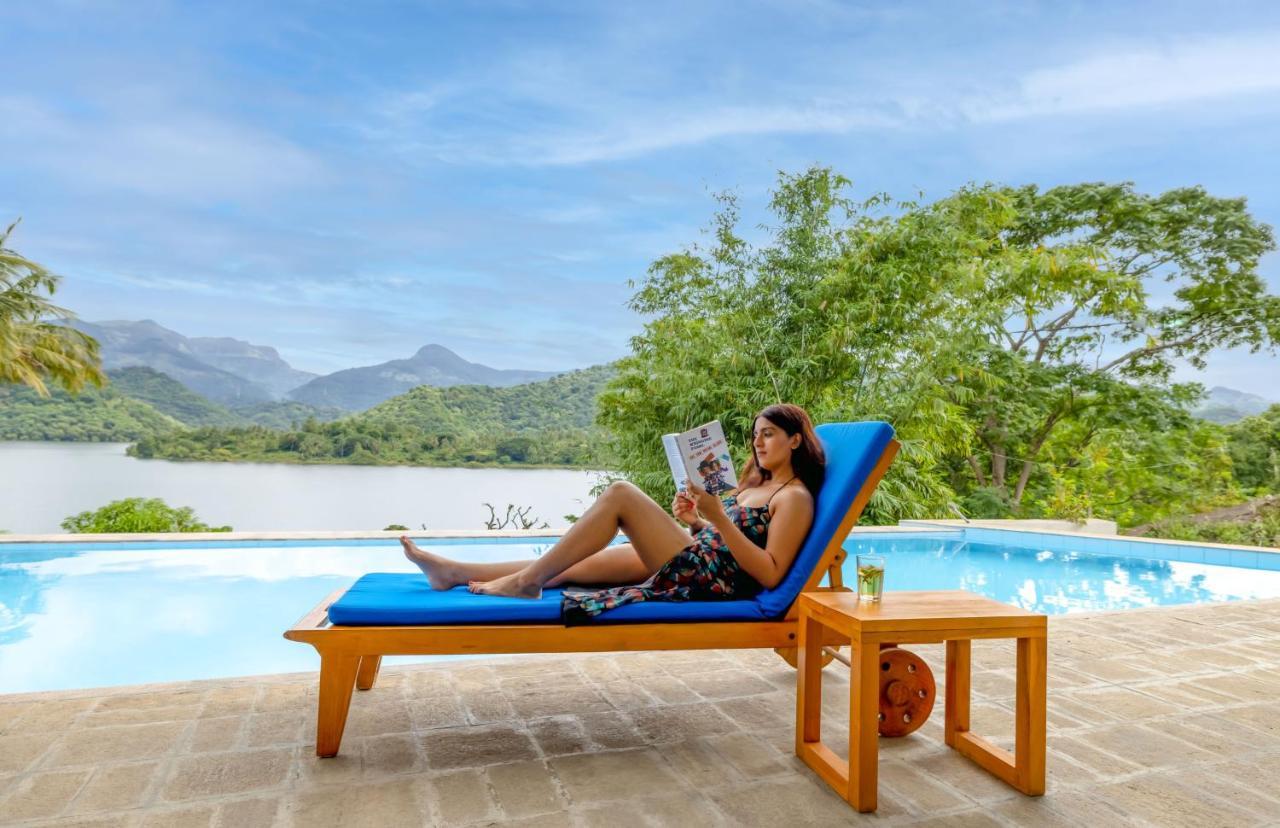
<point>671,445</point>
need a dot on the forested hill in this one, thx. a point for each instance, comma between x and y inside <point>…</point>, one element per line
<point>540,423</point>
<point>168,396</point>
<point>102,416</point>
<point>137,402</point>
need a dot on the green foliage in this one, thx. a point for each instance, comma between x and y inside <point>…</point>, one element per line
<point>544,423</point>
<point>91,416</point>
<point>1261,530</point>
<point>168,396</point>
<point>137,514</point>
<point>286,414</point>
<point>395,527</point>
<point>976,325</point>
<point>1254,445</point>
<point>35,347</point>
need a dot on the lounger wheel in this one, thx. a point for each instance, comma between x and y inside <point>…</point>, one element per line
<point>790,655</point>
<point>907,692</point>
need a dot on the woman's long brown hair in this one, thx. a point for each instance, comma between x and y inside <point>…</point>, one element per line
<point>808,459</point>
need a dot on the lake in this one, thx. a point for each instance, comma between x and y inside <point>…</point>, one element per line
<point>41,484</point>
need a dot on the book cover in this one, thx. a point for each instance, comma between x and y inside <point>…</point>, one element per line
<point>702,454</point>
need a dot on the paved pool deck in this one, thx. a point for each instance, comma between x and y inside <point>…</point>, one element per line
<point>1156,717</point>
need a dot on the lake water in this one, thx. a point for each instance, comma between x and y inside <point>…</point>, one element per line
<point>41,484</point>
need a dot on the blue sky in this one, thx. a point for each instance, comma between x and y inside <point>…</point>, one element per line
<point>350,181</point>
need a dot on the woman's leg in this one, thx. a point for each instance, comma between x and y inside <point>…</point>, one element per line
<point>616,565</point>
<point>446,573</point>
<point>655,536</point>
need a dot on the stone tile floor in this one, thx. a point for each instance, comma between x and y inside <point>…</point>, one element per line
<point>1157,717</point>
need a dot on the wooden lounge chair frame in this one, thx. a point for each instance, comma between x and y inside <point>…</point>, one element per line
<point>351,655</point>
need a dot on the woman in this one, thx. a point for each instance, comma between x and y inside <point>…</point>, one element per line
<point>731,552</point>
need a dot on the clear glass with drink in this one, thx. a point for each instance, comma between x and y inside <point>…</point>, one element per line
<point>870,577</point>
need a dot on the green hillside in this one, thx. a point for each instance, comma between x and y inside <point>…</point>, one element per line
<point>541,423</point>
<point>285,414</point>
<point>98,416</point>
<point>168,396</point>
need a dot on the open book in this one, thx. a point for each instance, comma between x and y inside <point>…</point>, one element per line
<point>703,454</point>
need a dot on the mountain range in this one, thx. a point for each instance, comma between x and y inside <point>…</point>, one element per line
<point>1227,405</point>
<point>357,389</point>
<point>239,374</point>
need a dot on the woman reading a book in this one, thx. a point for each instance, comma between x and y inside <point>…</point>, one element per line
<point>732,548</point>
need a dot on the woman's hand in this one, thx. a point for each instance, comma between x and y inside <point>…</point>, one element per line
<point>684,508</point>
<point>708,504</point>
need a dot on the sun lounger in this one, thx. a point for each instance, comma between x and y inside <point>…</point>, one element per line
<point>399,614</point>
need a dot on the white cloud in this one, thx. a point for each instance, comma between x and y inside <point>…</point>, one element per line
<point>657,132</point>
<point>546,110</point>
<point>1147,75</point>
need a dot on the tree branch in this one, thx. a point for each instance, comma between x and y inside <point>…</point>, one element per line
<point>977,471</point>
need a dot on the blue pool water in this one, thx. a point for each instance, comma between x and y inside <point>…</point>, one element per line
<point>89,615</point>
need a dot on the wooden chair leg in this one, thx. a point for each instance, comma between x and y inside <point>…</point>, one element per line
<point>337,679</point>
<point>368,674</point>
<point>1029,742</point>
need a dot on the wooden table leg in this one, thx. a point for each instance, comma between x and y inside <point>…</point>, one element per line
<point>1029,742</point>
<point>808,683</point>
<point>956,716</point>
<point>864,725</point>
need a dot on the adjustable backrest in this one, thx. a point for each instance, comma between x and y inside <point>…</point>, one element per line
<point>853,452</point>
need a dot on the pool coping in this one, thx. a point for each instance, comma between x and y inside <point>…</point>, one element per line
<point>429,534</point>
<point>903,527</point>
<point>364,534</point>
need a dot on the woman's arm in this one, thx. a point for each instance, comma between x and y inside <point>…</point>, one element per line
<point>792,517</point>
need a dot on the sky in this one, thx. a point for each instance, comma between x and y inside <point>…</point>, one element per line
<point>350,181</point>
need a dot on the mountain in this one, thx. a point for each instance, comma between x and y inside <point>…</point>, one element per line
<point>257,363</point>
<point>357,389</point>
<point>147,344</point>
<point>1227,405</point>
<point>549,422</point>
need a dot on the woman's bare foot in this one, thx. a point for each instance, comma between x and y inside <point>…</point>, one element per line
<point>440,572</point>
<point>511,586</point>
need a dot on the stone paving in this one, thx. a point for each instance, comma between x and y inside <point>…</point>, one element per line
<point>1156,717</point>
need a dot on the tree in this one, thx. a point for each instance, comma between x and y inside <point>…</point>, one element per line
<point>809,317</point>
<point>1254,443</point>
<point>35,348</point>
<point>989,327</point>
<point>137,514</point>
<point>1095,282</point>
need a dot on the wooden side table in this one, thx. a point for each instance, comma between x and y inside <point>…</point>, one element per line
<point>956,617</point>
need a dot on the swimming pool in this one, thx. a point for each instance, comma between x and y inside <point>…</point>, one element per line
<point>97,614</point>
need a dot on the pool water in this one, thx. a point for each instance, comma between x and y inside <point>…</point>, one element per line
<point>91,615</point>
<point>1057,581</point>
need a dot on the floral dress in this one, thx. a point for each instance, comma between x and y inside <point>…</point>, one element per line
<point>705,570</point>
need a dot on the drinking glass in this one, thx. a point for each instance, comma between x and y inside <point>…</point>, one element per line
<point>870,577</point>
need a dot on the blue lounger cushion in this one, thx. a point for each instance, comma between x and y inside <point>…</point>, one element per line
<point>385,598</point>
<point>394,598</point>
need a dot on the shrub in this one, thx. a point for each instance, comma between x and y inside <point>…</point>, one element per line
<point>138,514</point>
